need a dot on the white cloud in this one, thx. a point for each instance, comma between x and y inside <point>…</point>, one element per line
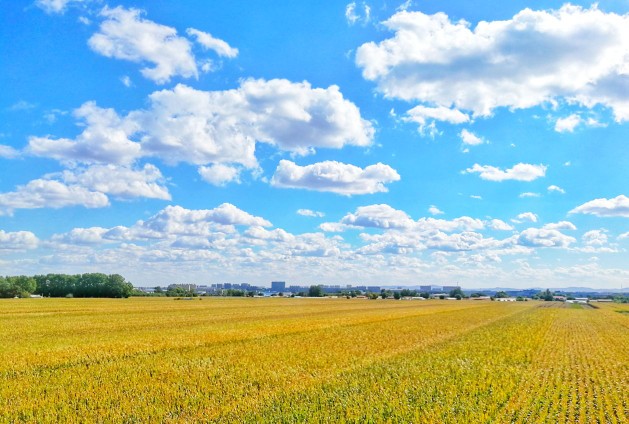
<point>311,213</point>
<point>42,193</point>
<point>208,42</point>
<point>54,6</point>
<point>624,236</point>
<point>525,216</point>
<point>334,177</point>
<point>499,225</point>
<point>119,181</point>
<point>520,172</point>
<point>378,216</point>
<point>562,225</point>
<point>470,138</point>
<point>201,127</point>
<point>18,240</point>
<point>595,238</point>
<point>105,139</point>
<point>81,236</point>
<point>557,189</point>
<point>8,152</point>
<point>176,220</point>
<point>219,174</point>
<point>567,124</point>
<point>476,197</point>
<point>426,117</point>
<point>536,237</point>
<point>573,53</point>
<point>125,35</point>
<point>616,207</point>
<point>435,210</point>
<point>528,194</point>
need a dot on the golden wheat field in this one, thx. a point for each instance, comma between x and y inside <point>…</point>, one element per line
<point>312,360</point>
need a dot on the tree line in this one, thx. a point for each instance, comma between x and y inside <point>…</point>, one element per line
<point>65,285</point>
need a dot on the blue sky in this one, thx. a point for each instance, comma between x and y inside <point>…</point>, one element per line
<point>378,142</point>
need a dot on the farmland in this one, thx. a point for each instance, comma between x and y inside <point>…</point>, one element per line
<point>321,360</point>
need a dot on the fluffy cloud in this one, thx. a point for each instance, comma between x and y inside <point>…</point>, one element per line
<point>86,187</point>
<point>435,210</point>
<point>18,240</point>
<point>125,35</point>
<point>426,117</point>
<point>378,216</point>
<point>537,56</point>
<point>525,216</point>
<point>208,42</point>
<point>595,238</point>
<point>42,193</point>
<point>219,174</point>
<point>567,124</point>
<point>562,225</point>
<point>470,138</point>
<point>536,237</point>
<point>120,182</point>
<point>105,139</point>
<point>81,236</point>
<point>616,207</point>
<point>499,225</point>
<point>519,172</point>
<point>334,177</point>
<point>201,127</point>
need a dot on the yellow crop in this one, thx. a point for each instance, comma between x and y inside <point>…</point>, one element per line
<point>311,360</point>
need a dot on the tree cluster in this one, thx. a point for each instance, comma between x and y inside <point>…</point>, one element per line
<point>82,285</point>
<point>18,286</point>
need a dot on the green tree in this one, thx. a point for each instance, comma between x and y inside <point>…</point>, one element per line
<point>315,291</point>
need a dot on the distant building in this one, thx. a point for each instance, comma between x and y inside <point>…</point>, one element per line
<point>373,289</point>
<point>278,286</point>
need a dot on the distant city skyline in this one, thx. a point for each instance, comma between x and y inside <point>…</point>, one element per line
<point>482,144</point>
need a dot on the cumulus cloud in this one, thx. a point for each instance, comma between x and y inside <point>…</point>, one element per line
<point>616,207</point>
<point>219,174</point>
<point>470,138</point>
<point>311,213</point>
<point>105,139</point>
<point>43,193</point>
<point>202,127</point>
<point>562,225</point>
<point>435,210</point>
<point>427,116</point>
<point>119,181</point>
<point>528,194</point>
<point>124,35</point>
<point>520,172</point>
<point>210,43</point>
<point>567,124</point>
<point>18,240</point>
<point>595,238</point>
<point>536,237</point>
<point>525,216</point>
<point>81,236</point>
<point>499,225</point>
<point>334,177</point>
<point>573,53</point>
<point>378,216</point>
